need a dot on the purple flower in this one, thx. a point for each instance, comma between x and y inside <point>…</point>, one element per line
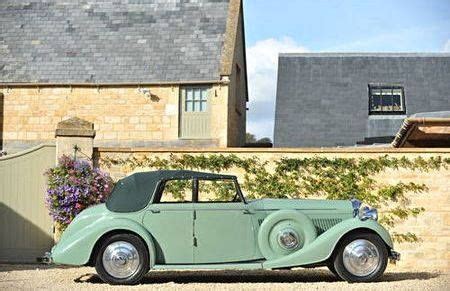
<point>73,186</point>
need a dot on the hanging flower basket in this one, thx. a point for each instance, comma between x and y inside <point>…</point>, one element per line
<point>74,185</point>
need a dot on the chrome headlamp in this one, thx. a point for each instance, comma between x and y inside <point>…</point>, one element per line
<point>365,212</point>
<point>368,213</point>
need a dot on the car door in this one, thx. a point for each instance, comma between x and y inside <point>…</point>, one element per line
<point>169,219</point>
<point>223,226</point>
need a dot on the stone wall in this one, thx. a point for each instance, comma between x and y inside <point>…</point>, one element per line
<point>125,116</point>
<point>237,105</point>
<point>432,226</point>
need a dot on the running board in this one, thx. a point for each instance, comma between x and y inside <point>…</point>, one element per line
<point>233,266</point>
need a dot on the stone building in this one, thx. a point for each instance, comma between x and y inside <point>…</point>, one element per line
<point>343,99</point>
<point>147,73</point>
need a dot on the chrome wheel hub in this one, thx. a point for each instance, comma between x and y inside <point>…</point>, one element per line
<point>120,259</point>
<point>361,257</point>
<point>288,239</point>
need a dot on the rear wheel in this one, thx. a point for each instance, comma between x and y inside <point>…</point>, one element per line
<point>122,259</point>
<point>361,257</point>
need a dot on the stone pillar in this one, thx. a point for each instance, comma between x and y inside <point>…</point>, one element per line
<point>70,134</point>
<point>75,133</point>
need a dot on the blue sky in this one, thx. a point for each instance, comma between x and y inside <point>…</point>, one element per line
<point>332,26</point>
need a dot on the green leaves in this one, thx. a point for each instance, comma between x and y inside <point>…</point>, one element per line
<point>405,237</point>
<point>331,178</point>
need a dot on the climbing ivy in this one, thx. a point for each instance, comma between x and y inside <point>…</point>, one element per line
<point>331,178</point>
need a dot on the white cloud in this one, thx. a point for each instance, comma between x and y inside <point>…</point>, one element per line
<point>262,64</point>
<point>447,46</point>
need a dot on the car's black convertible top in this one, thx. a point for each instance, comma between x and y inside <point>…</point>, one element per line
<point>134,192</point>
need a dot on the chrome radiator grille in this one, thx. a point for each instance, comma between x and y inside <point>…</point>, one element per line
<point>324,224</point>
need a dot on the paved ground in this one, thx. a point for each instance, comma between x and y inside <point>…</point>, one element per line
<point>42,277</point>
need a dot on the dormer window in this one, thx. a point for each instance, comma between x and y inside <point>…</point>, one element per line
<point>386,99</point>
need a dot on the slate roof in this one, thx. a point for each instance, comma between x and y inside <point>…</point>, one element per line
<point>323,100</point>
<point>111,41</point>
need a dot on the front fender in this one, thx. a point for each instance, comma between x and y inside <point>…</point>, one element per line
<point>322,248</point>
<point>77,248</point>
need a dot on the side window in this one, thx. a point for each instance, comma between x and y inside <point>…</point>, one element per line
<point>176,191</point>
<point>220,190</point>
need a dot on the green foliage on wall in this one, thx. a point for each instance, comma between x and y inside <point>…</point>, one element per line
<point>330,178</point>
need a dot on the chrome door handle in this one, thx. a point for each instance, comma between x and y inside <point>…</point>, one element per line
<point>155,211</point>
<point>246,211</point>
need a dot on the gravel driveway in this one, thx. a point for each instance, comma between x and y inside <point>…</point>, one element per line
<point>43,277</point>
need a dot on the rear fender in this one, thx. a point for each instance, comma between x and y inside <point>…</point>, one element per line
<point>322,248</point>
<point>77,248</point>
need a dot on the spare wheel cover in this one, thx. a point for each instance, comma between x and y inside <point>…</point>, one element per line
<point>285,232</point>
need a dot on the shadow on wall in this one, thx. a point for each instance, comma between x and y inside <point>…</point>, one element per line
<point>21,241</point>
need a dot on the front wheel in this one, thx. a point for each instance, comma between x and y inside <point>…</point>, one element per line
<point>122,259</point>
<point>330,266</point>
<point>361,257</point>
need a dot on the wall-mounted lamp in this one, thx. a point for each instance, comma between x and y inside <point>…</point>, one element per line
<point>145,91</point>
<point>148,94</point>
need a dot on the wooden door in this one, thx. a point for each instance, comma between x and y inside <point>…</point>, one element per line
<point>195,111</point>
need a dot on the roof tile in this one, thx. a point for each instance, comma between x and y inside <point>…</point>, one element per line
<point>62,41</point>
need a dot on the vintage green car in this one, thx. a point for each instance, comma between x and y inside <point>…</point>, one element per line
<point>193,220</point>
